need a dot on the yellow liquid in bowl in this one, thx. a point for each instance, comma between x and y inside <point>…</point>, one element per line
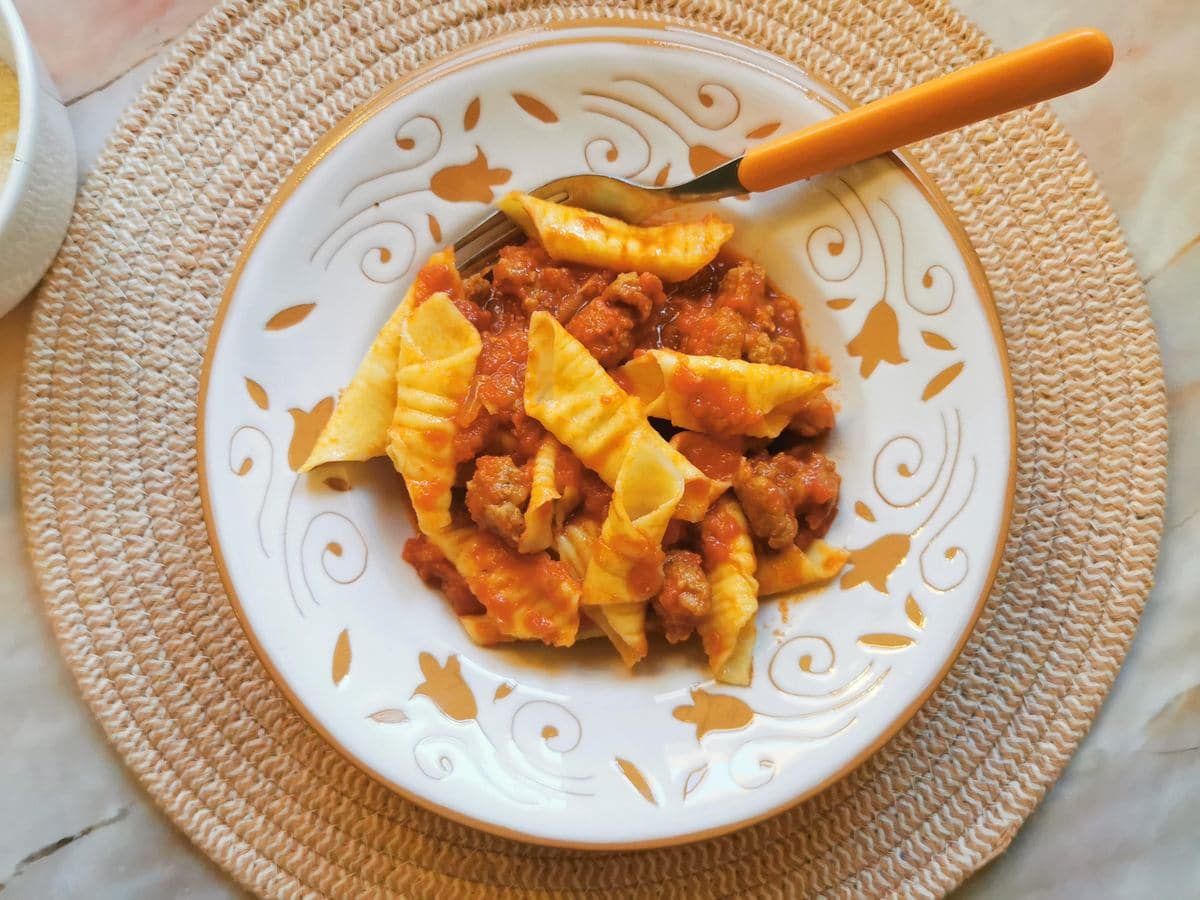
<point>9,119</point>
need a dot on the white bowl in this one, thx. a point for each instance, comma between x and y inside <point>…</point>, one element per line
<point>37,198</point>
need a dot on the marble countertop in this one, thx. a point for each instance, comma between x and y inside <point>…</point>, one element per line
<point>1124,819</point>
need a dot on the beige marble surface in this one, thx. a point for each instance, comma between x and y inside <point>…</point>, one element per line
<point>86,44</point>
<point>1124,820</point>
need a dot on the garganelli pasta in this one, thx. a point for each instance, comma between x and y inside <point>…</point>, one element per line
<point>714,394</point>
<point>673,252</point>
<point>613,431</point>
<point>357,430</point>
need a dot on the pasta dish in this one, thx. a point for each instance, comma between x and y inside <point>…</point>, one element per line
<point>614,430</point>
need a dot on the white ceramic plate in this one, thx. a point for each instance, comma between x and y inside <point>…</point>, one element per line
<point>567,747</point>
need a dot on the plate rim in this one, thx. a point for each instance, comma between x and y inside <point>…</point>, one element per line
<point>473,54</point>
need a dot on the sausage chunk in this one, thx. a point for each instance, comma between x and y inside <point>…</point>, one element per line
<point>496,496</point>
<point>814,418</point>
<point>743,289</point>
<point>761,485</point>
<point>685,597</point>
<point>787,495</point>
<point>528,273</point>
<point>711,331</point>
<point>780,350</point>
<point>606,325</point>
<point>815,492</point>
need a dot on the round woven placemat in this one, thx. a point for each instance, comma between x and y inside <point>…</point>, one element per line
<point>108,465</point>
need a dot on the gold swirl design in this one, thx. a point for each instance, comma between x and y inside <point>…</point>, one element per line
<point>763,762</point>
<point>857,691</point>
<point>927,279</point>
<point>287,567</point>
<point>415,150</point>
<point>876,561</point>
<point>246,465</point>
<point>904,470</point>
<point>331,547</point>
<point>865,211</point>
<point>548,732</point>
<point>781,659</point>
<point>954,456</point>
<point>836,247</point>
<point>544,724</point>
<point>711,712</point>
<point>419,140</point>
<point>879,338</point>
<point>335,549</point>
<point>382,264</point>
<point>805,662</point>
<point>351,228</point>
<point>536,727</point>
<point>612,150</point>
<point>704,95</point>
<point>438,756</point>
<point>954,551</point>
<point>623,103</point>
<point>811,655</point>
<point>719,108</point>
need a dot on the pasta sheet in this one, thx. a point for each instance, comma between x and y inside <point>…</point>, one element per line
<point>626,566</point>
<point>358,428</point>
<point>572,396</point>
<point>791,569</point>
<point>539,515</point>
<point>673,252</point>
<point>717,395</point>
<point>436,362</point>
<point>527,596</point>
<point>728,630</point>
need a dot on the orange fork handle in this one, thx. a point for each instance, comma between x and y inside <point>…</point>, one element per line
<point>1049,68</point>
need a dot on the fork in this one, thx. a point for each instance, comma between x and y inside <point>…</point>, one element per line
<point>1046,69</point>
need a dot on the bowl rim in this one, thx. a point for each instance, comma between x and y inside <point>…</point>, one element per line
<point>25,67</point>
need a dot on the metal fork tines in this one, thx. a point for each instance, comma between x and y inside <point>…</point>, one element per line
<point>479,247</point>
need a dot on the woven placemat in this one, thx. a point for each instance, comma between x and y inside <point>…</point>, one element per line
<point>108,465</point>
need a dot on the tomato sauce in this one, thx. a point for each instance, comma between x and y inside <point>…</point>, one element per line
<point>718,532</point>
<point>538,576</point>
<point>438,572</point>
<point>712,404</point>
<point>716,458</point>
<point>645,578</point>
<point>426,495</point>
<point>500,370</point>
<point>437,278</point>
<point>728,309</point>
